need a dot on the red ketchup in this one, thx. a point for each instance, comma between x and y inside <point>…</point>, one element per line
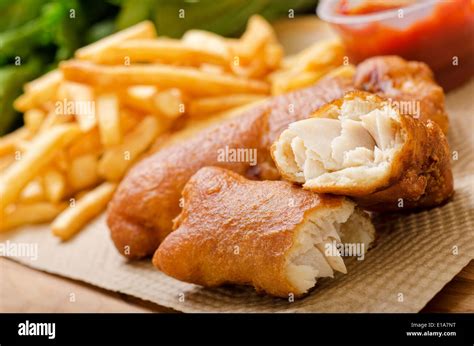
<point>443,36</point>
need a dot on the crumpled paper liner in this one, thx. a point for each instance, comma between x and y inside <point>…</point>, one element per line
<point>415,256</point>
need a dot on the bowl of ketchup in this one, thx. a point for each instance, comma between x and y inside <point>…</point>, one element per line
<point>437,32</point>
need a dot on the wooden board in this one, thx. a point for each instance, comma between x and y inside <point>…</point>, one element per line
<point>27,290</point>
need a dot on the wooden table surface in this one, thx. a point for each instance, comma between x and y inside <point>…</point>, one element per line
<point>23,289</point>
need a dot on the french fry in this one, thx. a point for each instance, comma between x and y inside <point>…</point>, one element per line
<point>256,69</point>
<point>109,119</point>
<point>43,148</point>
<point>33,192</point>
<point>82,97</point>
<point>292,81</point>
<point>129,119</point>
<point>39,91</point>
<point>24,214</point>
<point>140,97</point>
<point>54,185</point>
<point>87,143</point>
<point>213,69</point>
<point>258,33</point>
<point>342,71</point>
<point>33,119</point>
<point>82,172</point>
<point>51,119</point>
<point>115,161</point>
<point>71,220</point>
<point>5,161</point>
<point>141,30</point>
<point>187,79</point>
<point>163,50</point>
<point>213,42</point>
<point>8,143</point>
<point>169,103</point>
<point>209,105</point>
<point>61,161</point>
<point>322,55</point>
<point>273,55</point>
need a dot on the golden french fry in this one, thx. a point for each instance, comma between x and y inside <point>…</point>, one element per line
<point>87,143</point>
<point>9,142</point>
<point>47,81</point>
<point>82,172</point>
<point>187,79</point>
<point>82,98</point>
<point>39,91</point>
<point>54,185</point>
<point>273,55</point>
<point>159,50</point>
<point>141,30</point>
<point>33,119</point>
<point>169,103</point>
<point>256,69</point>
<point>24,214</point>
<point>342,71</point>
<point>322,55</point>
<point>5,161</point>
<point>71,220</point>
<point>213,42</point>
<point>210,105</point>
<point>109,119</point>
<point>140,97</point>
<point>292,81</point>
<point>50,119</point>
<point>258,33</point>
<point>213,69</point>
<point>22,146</point>
<point>61,161</point>
<point>129,119</point>
<point>42,150</point>
<point>115,161</point>
<point>33,192</point>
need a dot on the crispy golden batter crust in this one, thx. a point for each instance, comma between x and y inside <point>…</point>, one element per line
<point>140,214</point>
<point>404,81</point>
<point>233,230</point>
<point>421,174</point>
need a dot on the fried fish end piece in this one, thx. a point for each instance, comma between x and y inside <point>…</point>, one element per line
<point>409,84</point>
<point>361,146</point>
<point>268,234</point>
<point>140,214</point>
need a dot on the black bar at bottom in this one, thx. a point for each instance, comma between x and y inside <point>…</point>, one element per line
<point>291,329</point>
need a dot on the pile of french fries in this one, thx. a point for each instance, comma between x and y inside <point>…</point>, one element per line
<point>88,121</point>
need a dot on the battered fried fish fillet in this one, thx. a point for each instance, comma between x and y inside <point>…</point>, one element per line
<point>409,84</point>
<point>361,146</point>
<point>140,214</point>
<point>268,234</point>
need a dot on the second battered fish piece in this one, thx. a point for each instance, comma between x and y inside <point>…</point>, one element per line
<point>360,146</point>
<point>269,234</point>
<point>409,84</point>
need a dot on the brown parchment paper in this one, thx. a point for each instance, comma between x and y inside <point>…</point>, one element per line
<point>415,256</point>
